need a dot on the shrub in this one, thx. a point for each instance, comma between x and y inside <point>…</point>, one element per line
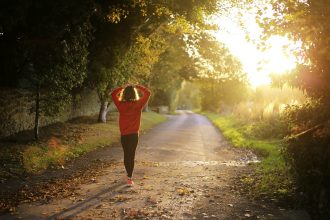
<point>308,153</point>
<point>275,128</point>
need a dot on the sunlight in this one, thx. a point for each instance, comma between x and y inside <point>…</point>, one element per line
<point>279,58</point>
<point>240,32</point>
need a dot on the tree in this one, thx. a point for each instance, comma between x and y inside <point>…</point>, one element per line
<point>52,40</point>
<point>129,41</point>
<point>222,80</point>
<point>174,66</point>
<point>102,76</point>
<point>189,96</point>
<point>114,50</point>
<point>307,151</point>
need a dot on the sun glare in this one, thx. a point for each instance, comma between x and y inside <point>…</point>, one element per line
<point>234,29</point>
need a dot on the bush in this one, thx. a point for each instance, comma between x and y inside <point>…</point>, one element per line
<point>309,160</point>
<point>308,154</point>
<point>275,128</point>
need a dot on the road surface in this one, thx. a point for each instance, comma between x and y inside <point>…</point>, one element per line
<point>184,170</point>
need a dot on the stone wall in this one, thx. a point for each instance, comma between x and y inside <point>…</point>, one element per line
<point>16,110</point>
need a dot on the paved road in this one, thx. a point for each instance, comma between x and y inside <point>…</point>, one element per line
<point>187,137</point>
<point>184,170</point>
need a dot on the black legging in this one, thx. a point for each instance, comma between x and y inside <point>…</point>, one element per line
<point>129,143</point>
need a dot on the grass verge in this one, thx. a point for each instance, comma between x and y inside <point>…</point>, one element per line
<point>62,142</point>
<point>271,178</point>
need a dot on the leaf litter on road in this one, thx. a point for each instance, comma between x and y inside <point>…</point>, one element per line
<point>183,191</point>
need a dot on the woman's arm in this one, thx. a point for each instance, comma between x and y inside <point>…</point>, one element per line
<point>145,94</point>
<point>115,95</point>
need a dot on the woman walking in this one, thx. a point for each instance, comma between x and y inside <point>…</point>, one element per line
<point>130,106</point>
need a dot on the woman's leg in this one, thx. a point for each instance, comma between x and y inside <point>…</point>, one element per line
<point>129,143</point>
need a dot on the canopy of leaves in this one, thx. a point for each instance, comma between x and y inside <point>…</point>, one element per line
<point>174,66</point>
<point>222,80</point>
<point>44,47</point>
<point>308,151</point>
<point>131,35</point>
<point>308,22</point>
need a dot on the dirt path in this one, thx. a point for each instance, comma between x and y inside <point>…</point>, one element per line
<point>184,170</point>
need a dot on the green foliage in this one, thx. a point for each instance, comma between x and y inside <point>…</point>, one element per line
<point>271,178</point>
<point>169,72</point>
<point>302,117</point>
<point>47,43</point>
<point>235,132</point>
<point>308,22</point>
<point>308,154</point>
<point>307,151</point>
<point>74,139</point>
<point>217,95</point>
<point>50,44</point>
<point>150,119</point>
<point>274,128</point>
<point>106,50</point>
<point>266,105</point>
<point>144,54</point>
<point>189,96</point>
<point>308,157</point>
<point>221,79</point>
<point>131,36</point>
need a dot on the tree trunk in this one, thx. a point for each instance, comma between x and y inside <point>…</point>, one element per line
<point>103,111</point>
<point>146,107</point>
<point>37,115</point>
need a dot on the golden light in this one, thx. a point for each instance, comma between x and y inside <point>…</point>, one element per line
<point>279,57</point>
<point>239,25</point>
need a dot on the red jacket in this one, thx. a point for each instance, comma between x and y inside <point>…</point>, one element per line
<point>130,112</point>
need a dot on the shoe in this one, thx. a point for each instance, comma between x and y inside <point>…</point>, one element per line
<point>130,182</point>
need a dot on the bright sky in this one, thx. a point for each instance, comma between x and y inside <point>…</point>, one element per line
<point>234,26</point>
